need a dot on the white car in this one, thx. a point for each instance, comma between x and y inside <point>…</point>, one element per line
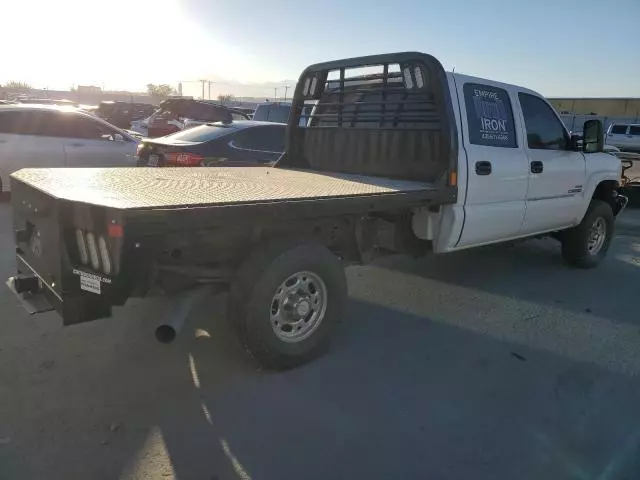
<point>50,136</point>
<point>624,136</point>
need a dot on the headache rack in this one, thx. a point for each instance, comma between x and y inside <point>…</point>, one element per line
<point>384,115</point>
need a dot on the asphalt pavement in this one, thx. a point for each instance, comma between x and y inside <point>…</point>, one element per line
<point>493,363</point>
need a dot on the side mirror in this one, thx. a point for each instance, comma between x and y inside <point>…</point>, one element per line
<point>118,138</point>
<point>593,134</point>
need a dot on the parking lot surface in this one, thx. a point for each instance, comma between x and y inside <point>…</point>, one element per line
<point>493,363</point>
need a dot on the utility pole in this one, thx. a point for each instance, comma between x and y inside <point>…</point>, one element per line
<point>203,88</point>
<point>275,94</point>
<point>209,90</point>
<point>286,87</point>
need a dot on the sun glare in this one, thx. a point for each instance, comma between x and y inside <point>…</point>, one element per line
<point>88,43</point>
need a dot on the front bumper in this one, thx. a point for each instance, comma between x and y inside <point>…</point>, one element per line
<point>621,202</point>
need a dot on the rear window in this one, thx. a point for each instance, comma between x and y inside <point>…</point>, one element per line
<point>634,130</point>
<point>202,133</point>
<point>272,113</point>
<point>489,116</point>
<point>619,129</point>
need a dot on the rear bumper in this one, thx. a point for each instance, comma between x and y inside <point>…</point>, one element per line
<point>38,296</point>
<point>33,293</point>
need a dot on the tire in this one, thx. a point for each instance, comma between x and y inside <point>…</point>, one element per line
<point>268,307</point>
<point>579,248</point>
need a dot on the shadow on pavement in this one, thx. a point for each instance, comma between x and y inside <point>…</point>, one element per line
<point>533,271</point>
<point>398,396</point>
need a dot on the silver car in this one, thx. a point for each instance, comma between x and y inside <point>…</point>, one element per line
<point>46,136</point>
<point>624,136</point>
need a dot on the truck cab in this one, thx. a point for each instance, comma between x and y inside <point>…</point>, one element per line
<point>524,174</point>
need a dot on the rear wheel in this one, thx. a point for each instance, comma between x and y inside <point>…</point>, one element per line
<point>286,300</point>
<point>585,245</point>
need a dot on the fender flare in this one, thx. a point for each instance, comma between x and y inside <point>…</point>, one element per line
<point>591,189</point>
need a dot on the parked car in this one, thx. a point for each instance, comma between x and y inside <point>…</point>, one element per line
<point>50,136</point>
<point>47,101</point>
<point>624,136</point>
<point>121,114</point>
<point>241,143</point>
<point>273,112</point>
<point>247,111</point>
<point>176,114</point>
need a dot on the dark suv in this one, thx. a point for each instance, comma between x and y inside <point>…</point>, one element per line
<point>121,114</point>
<point>176,114</point>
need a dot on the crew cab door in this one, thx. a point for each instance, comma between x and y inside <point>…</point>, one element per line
<point>497,164</point>
<point>557,172</point>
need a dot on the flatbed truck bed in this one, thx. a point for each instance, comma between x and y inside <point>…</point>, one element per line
<point>174,199</point>
<point>179,188</point>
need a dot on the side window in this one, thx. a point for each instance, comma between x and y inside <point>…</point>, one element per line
<point>266,139</point>
<point>634,130</point>
<point>76,126</point>
<point>544,129</point>
<point>9,122</point>
<point>27,122</point>
<point>619,130</point>
<point>489,116</point>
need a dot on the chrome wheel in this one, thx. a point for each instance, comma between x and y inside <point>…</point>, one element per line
<point>298,306</point>
<point>597,236</point>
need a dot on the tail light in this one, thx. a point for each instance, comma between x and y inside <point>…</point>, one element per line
<point>82,247</point>
<point>94,253</point>
<point>104,255</point>
<point>93,250</point>
<point>183,159</point>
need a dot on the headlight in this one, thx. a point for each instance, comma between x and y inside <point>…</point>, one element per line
<point>82,247</point>
<point>104,255</point>
<point>93,250</point>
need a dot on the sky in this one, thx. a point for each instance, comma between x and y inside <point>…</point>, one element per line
<point>557,47</point>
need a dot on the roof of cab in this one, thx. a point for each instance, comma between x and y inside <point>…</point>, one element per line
<point>461,78</point>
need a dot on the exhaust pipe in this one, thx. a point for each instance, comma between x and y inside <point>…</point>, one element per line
<point>174,320</point>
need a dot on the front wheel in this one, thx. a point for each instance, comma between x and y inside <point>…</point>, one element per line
<point>586,245</point>
<point>286,300</point>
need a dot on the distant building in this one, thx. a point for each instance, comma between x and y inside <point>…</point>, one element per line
<point>89,90</point>
<point>611,107</point>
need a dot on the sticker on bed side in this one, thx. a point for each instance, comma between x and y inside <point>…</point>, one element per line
<point>90,283</point>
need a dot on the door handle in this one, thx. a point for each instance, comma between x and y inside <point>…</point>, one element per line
<point>76,144</point>
<point>537,167</point>
<point>483,168</point>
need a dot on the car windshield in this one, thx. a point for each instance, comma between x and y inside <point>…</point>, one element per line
<point>272,113</point>
<point>202,133</point>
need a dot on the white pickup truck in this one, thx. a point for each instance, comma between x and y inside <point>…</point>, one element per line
<point>385,154</point>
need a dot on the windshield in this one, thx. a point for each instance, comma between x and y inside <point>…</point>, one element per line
<point>272,113</point>
<point>202,133</point>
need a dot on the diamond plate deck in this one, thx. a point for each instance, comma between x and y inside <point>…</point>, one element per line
<point>146,188</point>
